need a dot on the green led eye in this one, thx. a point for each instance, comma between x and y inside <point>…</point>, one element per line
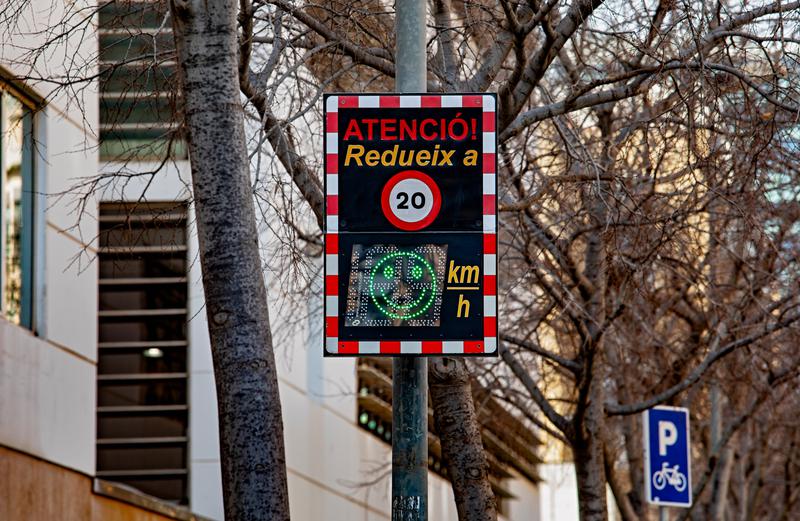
<point>388,272</point>
<point>416,272</point>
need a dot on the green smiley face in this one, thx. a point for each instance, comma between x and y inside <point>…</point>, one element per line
<point>402,285</point>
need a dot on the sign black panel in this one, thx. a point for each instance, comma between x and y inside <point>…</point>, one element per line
<point>411,238</point>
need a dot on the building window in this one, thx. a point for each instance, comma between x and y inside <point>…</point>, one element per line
<point>138,98</point>
<point>142,385</point>
<point>16,213</point>
<point>509,443</point>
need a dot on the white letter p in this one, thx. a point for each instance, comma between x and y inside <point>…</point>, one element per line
<point>667,436</point>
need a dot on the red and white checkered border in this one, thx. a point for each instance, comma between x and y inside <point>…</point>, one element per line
<point>334,346</point>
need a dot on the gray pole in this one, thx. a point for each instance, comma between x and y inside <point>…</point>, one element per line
<point>410,58</point>
<point>662,514</point>
<point>410,374</point>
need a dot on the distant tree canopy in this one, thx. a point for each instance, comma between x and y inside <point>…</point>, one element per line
<point>649,198</point>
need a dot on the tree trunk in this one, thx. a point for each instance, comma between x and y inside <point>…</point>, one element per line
<point>460,435</point>
<point>587,450</point>
<point>251,429</point>
<point>621,498</point>
<point>589,419</point>
<point>722,475</point>
<point>632,437</point>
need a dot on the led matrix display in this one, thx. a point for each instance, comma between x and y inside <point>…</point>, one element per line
<point>396,286</point>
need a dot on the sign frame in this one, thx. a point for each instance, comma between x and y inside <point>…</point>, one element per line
<point>649,473</point>
<point>333,344</point>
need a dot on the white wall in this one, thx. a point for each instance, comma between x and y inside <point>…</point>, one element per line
<point>47,382</point>
<point>47,397</point>
<point>558,492</point>
<point>527,502</point>
<point>70,300</point>
<point>53,374</point>
<point>205,473</point>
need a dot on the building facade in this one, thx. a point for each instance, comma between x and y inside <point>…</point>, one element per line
<point>107,397</point>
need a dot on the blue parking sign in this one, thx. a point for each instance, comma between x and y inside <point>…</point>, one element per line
<point>667,463</point>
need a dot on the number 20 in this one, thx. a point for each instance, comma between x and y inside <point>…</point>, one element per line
<point>417,200</point>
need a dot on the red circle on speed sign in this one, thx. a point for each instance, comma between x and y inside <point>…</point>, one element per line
<point>411,200</point>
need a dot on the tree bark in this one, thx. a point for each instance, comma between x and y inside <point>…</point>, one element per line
<point>460,434</point>
<point>251,429</point>
<point>621,498</point>
<point>589,419</point>
<point>722,475</point>
<point>632,438</point>
<point>587,450</point>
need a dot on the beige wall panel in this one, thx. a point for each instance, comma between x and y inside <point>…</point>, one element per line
<point>105,509</point>
<point>34,490</point>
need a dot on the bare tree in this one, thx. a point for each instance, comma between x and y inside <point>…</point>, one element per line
<point>637,144</point>
<point>657,249</point>
<point>251,428</point>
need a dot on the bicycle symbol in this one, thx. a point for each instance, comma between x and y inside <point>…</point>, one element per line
<point>669,475</point>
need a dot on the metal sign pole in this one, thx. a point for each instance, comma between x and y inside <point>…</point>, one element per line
<point>662,514</point>
<point>410,374</point>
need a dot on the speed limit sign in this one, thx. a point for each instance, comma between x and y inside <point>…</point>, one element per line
<point>411,200</point>
<point>411,227</point>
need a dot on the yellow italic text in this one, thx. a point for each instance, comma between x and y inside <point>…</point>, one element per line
<point>357,155</point>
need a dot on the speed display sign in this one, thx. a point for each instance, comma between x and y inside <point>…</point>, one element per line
<point>411,227</point>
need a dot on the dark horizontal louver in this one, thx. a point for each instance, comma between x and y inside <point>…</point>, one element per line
<point>138,101</point>
<point>142,391</point>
